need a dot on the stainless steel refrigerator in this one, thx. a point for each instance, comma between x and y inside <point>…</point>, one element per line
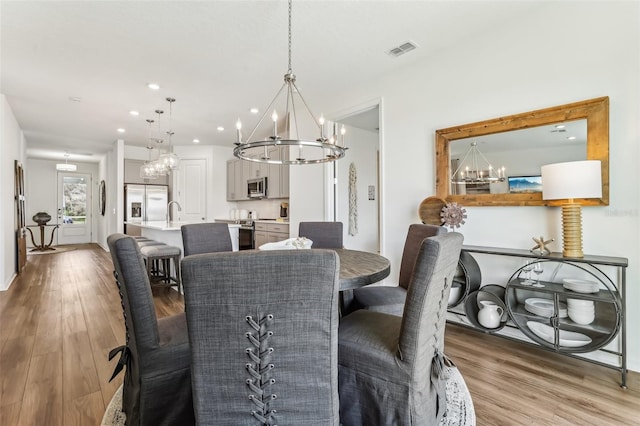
<point>145,202</point>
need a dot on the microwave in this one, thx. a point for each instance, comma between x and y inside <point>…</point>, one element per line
<point>257,188</point>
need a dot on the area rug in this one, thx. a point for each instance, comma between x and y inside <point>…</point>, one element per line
<point>58,249</point>
<point>113,416</point>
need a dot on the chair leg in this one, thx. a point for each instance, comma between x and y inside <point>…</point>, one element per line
<point>176,263</point>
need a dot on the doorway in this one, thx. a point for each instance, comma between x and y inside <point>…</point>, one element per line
<point>356,180</point>
<point>74,208</point>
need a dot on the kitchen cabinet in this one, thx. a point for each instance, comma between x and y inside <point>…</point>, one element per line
<point>239,171</point>
<point>270,232</point>
<point>236,180</point>
<point>278,182</point>
<point>538,315</point>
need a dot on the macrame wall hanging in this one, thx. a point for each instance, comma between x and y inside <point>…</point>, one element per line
<point>353,200</point>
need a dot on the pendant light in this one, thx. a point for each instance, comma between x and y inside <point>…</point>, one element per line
<point>158,164</point>
<point>147,170</point>
<point>66,167</point>
<point>170,160</point>
<point>310,151</point>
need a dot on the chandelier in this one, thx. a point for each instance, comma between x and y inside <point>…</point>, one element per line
<point>476,169</point>
<point>310,151</point>
<point>66,167</point>
<point>166,162</point>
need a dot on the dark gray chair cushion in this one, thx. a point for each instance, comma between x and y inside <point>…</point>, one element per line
<point>157,383</point>
<point>198,238</point>
<point>390,299</point>
<point>323,234</point>
<point>385,361</point>
<point>263,317</point>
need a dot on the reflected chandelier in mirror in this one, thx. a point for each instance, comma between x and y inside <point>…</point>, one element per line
<point>513,149</point>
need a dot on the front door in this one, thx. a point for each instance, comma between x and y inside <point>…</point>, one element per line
<point>74,208</point>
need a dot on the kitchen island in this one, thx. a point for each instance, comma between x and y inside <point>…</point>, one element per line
<point>169,233</point>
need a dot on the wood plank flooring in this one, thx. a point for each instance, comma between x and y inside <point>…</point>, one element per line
<point>61,317</point>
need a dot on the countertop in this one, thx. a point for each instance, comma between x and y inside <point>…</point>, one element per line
<point>161,225</point>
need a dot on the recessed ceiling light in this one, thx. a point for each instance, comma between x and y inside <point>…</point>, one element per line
<point>560,126</point>
<point>153,86</point>
<point>254,110</point>
<point>571,138</point>
<point>75,99</point>
<point>196,141</point>
<point>121,130</point>
<point>135,113</point>
<point>220,128</point>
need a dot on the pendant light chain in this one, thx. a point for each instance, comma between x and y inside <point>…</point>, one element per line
<point>290,70</point>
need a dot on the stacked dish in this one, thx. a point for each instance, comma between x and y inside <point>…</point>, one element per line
<point>581,312</point>
<point>544,307</point>
<point>580,286</point>
<point>567,339</point>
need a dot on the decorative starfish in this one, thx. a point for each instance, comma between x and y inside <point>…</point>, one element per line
<point>541,245</point>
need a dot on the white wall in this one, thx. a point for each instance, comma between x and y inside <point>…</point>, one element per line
<point>362,152</point>
<point>12,147</point>
<point>585,50</point>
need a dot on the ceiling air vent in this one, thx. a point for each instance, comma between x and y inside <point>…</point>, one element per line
<point>402,49</point>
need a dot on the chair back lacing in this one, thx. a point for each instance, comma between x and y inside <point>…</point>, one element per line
<point>439,371</point>
<point>260,369</point>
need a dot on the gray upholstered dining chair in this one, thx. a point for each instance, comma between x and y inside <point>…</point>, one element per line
<point>263,328</point>
<point>390,299</point>
<point>198,238</point>
<point>392,369</point>
<point>323,234</point>
<point>157,382</point>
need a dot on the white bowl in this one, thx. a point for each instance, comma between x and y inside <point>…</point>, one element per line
<point>581,318</point>
<point>580,286</point>
<point>454,294</point>
<point>574,303</point>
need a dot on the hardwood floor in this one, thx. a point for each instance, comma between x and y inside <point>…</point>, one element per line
<point>61,317</point>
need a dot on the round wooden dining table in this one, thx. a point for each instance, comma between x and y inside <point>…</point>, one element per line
<point>360,268</point>
<point>357,269</point>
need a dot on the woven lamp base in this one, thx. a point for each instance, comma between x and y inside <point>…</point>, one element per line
<point>572,230</point>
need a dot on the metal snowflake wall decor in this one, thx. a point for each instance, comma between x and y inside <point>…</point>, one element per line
<point>453,215</point>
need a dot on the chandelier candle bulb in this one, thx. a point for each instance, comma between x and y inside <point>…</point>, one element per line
<point>238,128</point>
<point>274,117</point>
<point>321,123</point>
<point>342,132</point>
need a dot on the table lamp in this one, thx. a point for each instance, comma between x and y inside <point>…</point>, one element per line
<point>567,181</point>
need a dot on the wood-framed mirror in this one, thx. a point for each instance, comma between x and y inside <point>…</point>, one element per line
<point>513,148</point>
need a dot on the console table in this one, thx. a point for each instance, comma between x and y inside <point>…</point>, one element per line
<point>517,322</point>
<point>42,246</point>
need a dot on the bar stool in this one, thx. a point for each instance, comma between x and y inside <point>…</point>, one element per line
<point>163,254</point>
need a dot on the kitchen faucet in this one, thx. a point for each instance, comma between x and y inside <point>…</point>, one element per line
<point>169,210</point>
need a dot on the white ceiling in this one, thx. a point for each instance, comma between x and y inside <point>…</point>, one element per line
<point>217,58</point>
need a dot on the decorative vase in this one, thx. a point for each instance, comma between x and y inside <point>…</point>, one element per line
<point>41,218</point>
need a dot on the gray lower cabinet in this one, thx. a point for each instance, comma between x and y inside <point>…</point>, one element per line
<point>270,232</point>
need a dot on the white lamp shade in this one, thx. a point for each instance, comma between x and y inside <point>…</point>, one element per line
<point>574,179</point>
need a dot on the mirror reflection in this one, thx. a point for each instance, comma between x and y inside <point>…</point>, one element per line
<point>497,162</point>
<point>509,162</point>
